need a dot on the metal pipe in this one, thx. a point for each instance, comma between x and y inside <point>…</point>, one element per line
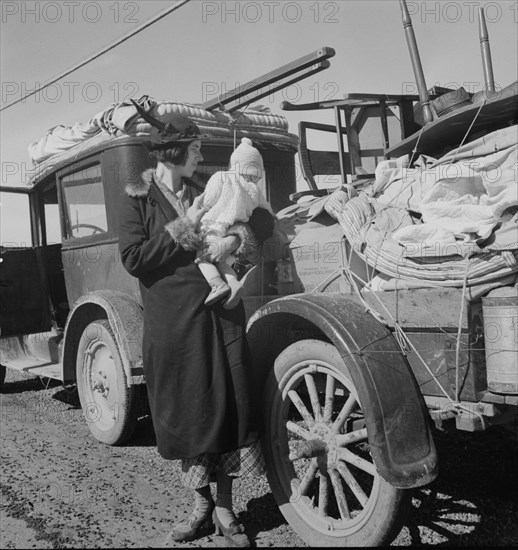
<point>416,63</point>
<point>487,64</point>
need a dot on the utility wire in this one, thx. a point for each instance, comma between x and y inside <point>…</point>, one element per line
<point>167,11</point>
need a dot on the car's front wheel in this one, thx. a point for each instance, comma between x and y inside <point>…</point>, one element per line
<point>316,447</point>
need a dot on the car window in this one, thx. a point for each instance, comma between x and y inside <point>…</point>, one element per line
<point>84,202</point>
<point>52,225</point>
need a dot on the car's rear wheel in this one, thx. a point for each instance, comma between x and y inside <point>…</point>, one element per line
<point>316,447</point>
<point>109,404</point>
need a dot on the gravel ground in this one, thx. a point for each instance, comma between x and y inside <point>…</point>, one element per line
<point>62,489</point>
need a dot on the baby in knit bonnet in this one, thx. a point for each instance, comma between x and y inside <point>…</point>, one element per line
<point>231,197</point>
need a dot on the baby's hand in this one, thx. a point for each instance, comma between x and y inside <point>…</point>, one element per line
<point>196,211</point>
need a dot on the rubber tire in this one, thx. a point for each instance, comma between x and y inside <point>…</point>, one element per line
<point>99,334</point>
<point>391,505</point>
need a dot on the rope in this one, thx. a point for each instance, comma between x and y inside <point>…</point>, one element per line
<point>399,332</point>
<point>403,341</point>
<point>468,131</point>
<point>409,184</point>
<point>233,121</point>
<point>459,331</point>
<point>414,150</point>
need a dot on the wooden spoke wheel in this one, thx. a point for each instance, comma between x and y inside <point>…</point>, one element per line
<point>317,453</point>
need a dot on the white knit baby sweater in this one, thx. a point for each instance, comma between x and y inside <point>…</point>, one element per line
<point>230,199</point>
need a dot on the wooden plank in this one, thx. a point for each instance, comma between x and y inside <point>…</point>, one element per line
<point>420,308</point>
<point>54,371</point>
<point>322,66</point>
<point>438,351</point>
<point>340,142</point>
<point>356,99</point>
<point>450,129</point>
<point>36,367</point>
<point>284,71</point>
<point>353,142</point>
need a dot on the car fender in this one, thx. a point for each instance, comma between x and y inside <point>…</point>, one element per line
<point>395,413</point>
<point>126,320</point>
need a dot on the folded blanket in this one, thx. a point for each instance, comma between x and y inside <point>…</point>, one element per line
<point>461,196</point>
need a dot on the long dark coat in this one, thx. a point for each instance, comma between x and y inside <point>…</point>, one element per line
<point>196,359</point>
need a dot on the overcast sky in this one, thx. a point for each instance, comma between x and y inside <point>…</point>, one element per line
<point>208,47</point>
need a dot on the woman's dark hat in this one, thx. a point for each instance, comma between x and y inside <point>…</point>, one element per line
<point>179,129</point>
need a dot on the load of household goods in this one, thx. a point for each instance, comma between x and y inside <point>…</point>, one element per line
<point>447,222</point>
<point>122,119</point>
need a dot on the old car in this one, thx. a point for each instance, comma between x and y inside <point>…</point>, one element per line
<point>69,309</point>
<point>359,348</point>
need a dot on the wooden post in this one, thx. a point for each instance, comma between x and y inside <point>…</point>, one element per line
<point>384,124</point>
<point>315,61</point>
<point>339,128</point>
<point>353,142</point>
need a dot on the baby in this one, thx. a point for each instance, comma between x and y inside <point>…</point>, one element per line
<point>231,197</point>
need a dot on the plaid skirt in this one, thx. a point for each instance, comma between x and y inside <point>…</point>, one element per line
<point>243,462</point>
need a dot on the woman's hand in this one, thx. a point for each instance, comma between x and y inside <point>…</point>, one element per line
<point>196,211</point>
<point>217,249</point>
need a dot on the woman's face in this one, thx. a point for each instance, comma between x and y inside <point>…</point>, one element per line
<point>194,156</point>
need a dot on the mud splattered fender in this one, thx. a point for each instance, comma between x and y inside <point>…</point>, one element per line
<point>126,320</point>
<point>395,413</point>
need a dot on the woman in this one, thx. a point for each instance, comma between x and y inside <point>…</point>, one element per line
<point>196,360</point>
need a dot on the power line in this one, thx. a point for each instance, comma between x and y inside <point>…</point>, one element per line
<point>167,11</point>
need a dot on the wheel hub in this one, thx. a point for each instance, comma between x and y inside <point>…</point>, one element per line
<point>324,446</point>
<point>101,384</point>
<point>323,433</point>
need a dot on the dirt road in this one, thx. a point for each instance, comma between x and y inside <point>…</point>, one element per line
<point>62,489</point>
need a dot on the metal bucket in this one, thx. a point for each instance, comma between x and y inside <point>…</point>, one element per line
<point>501,341</point>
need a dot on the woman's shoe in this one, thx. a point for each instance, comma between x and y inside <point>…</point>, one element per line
<point>234,533</point>
<point>190,528</point>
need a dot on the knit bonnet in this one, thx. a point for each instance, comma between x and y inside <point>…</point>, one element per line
<point>246,159</point>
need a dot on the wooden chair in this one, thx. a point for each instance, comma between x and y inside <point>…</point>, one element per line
<point>352,113</point>
<point>319,163</point>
